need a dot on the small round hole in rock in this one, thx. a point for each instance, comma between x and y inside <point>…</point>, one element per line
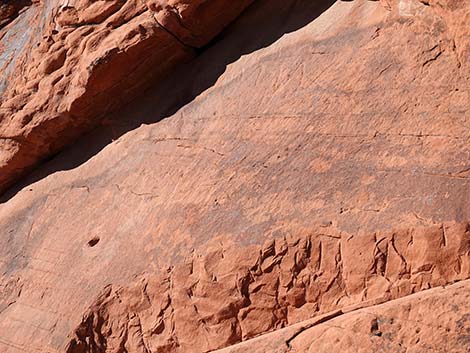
<point>93,242</point>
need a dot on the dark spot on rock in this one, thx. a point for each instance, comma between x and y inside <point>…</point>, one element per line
<point>374,328</point>
<point>92,242</point>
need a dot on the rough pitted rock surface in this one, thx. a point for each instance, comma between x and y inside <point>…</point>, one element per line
<point>233,294</point>
<point>66,63</point>
<point>399,326</point>
<point>340,118</point>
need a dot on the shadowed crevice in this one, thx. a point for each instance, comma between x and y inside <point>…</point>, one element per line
<point>10,9</point>
<point>263,23</point>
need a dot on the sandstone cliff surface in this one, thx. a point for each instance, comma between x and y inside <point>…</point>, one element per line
<point>314,157</point>
<point>403,325</point>
<point>66,63</point>
<point>233,294</point>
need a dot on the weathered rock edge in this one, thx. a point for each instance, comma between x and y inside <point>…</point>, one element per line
<point>86,59</point>
<point>399,325</point>
<point>231,295</point>
<point>9,10</point>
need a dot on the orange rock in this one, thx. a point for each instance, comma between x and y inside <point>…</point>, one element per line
<point>403,325</point>
<point>85,59</point>
<point>318,164</point>
<point>234,294</point>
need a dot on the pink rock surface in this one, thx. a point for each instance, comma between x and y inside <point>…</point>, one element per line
<point>69,62</point>
<point>233,293</point>
<point>349,117</point>
<point>404,325</point>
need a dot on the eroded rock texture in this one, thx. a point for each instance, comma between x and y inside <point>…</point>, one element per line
<point>403,325</point>
<point>233,294</point>
<point>66,63</point>
<point>9,10</point>
<point>347,119</point>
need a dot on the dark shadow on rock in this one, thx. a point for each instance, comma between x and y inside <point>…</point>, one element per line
<point>263,23</point>
<point>10,9</point>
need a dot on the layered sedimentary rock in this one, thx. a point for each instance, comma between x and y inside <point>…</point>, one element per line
<point>233,294</point>
<point>67,63</point>
<point>403,325</point>
<point>347,119</point>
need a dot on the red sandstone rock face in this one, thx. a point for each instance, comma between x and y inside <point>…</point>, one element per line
<point>320,137</point>
<point>233,294</point>
<point>75,61</point>
<point>9,10</point>
<point>404,325</point>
